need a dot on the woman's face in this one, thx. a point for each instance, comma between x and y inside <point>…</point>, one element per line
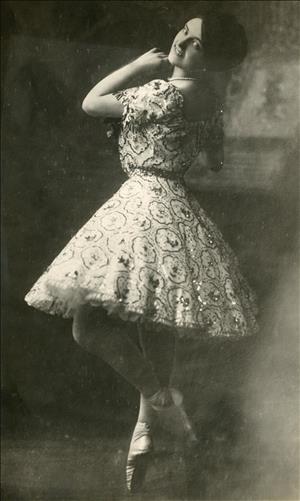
<point>187,51</point>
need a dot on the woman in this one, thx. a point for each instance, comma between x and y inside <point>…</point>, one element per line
<point>150,255</point>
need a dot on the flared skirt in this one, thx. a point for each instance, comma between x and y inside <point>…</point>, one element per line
<point>151,254</point>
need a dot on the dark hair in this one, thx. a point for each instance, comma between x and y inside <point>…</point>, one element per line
<point>224,41</point>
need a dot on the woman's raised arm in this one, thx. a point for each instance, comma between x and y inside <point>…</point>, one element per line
<point>100,101</point>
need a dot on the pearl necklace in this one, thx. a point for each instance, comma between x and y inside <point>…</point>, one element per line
<point>183,78</point>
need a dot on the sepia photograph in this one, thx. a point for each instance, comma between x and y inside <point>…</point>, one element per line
<point>150,250</point>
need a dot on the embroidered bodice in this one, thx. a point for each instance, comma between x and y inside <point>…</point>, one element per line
<point>155,135</point>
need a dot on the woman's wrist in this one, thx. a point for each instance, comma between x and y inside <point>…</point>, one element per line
<point>134,65</point>
<point>137,67</point>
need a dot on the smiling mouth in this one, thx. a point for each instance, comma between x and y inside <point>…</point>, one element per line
<point>178,51</point>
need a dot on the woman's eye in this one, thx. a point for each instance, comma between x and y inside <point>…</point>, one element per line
<point>196,44</point>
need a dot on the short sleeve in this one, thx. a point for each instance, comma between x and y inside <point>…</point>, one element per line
<point>152,102</point>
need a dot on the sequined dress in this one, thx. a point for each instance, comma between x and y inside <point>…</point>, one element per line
<point>150,253</point>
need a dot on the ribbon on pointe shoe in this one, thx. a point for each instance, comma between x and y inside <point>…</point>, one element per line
<point>165,398</point>
<point>168,402</point>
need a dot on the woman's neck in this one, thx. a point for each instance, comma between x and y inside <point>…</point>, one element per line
<point>180,73</point>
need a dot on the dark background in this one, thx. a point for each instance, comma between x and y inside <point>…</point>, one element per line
<point>59,167</point>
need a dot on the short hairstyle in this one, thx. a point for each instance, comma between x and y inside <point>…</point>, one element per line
<point>224,41</point>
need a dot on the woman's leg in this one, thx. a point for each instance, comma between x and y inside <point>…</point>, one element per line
<point>105,338</point>
<point>159,349</point>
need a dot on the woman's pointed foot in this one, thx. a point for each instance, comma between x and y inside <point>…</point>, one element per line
<point>140,450</point>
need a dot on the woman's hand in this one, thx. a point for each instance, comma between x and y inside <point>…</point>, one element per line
<point>151,61</point>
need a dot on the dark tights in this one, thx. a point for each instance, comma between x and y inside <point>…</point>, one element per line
<point>147,369</point>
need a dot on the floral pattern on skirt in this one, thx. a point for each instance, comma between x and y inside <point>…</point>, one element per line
<point>152,258</point>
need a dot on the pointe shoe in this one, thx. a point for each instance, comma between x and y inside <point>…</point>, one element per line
<point>140,450</point>
<point>168,402</point>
